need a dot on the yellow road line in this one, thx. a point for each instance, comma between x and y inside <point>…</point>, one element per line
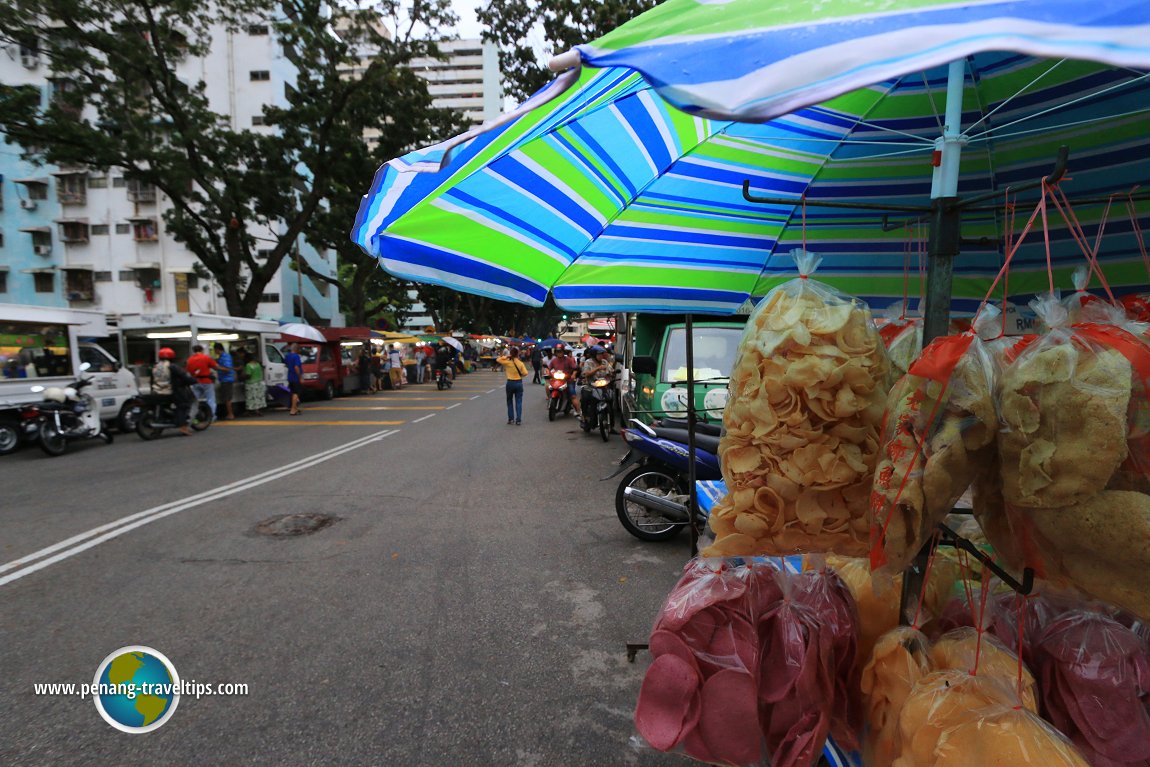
<point>439,399</point>
<point>308,422</point>
<point>325,408</point>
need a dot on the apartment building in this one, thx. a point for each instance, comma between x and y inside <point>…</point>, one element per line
<point>467,79</point>
<point>85,238</point>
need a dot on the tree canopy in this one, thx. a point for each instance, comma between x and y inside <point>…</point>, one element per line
<point>127,92</point>
<point>516,25</point>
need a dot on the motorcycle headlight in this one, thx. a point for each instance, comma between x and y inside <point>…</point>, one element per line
<point>559,375</point>
<point>600,383</point>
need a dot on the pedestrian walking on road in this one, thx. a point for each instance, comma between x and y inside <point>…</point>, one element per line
<point>420,356</point>
<point>537,364</point>
<point>295,376</point>
<point>515,371</point>
<point>255,395</point>
<point>227,378</point>
<point>395,367</point>
<point>201,366</point>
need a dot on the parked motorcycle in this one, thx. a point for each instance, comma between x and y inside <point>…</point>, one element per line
<point>69,414</point>
<point>599,407</point>
<point>11,428</point>
<point>158,412</point>
<point>652,499</point>
<point>558,397</point>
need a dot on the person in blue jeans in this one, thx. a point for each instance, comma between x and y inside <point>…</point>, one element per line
<point>226,375</point>
<point>515,371</point>
<point>295,376</point>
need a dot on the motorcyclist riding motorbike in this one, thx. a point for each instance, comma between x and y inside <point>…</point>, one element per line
<point>171,380</point>
<point>565,362</point>
<point>444,360</point>
<point>593,365</point>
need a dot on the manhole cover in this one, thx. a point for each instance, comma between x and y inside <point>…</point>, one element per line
<point>291,525</point>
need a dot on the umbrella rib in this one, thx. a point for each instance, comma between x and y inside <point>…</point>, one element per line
<point>933,105</point>
<point>1047,129</point>
<point>1066,105</point>
<point>1018,93</point>
<point>867,124</point>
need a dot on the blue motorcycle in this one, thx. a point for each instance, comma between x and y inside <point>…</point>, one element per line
<point>652,498</point>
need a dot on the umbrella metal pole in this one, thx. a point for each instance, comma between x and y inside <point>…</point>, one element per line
<point>692,502</point>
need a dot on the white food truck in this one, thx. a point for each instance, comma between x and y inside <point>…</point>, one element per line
<point>143,335</point>
<point>45,346</point>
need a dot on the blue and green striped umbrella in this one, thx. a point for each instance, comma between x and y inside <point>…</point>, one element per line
<point>615,200</point>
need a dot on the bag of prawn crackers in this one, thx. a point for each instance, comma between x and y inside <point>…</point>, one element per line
<point>939,435</point>
<point>1074,447</point>
<point>802,424</point>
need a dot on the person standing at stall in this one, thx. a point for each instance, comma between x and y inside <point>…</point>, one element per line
<point>201,366</point>
<point>515,371</point>
<point>226,377</point>
<point>255,395</point>
<point>295,376</point>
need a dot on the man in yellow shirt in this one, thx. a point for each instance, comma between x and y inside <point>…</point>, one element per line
<point>515,371</point>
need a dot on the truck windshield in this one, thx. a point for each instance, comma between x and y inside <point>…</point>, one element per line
<point>714,353</point>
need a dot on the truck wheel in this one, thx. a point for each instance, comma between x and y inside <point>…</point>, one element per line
<point>9,438</point>
<point>329,390</point>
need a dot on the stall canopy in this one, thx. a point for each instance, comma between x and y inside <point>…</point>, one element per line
<point>392,337</point>
<point>613,199</point>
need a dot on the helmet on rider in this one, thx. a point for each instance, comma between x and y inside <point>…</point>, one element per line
<point>596,350</point>
<point>166,353</point>
<point>560,348</point>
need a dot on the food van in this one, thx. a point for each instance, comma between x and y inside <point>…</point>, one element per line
<point>143,335</point>
<point>41,346</point>
<point>331,368</point>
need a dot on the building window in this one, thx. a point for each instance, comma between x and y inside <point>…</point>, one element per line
<point>44,281</point>
<point>262,254</point>
<point>118,182</point>
<point>97,182</point>
<point>102,276</point>
<point>73,231</point>
<point>127,275</point>
<point>99,228</point>
<point>257,119</point>
<point>3,282</point>
<point>260,74</point>
<point>123,228</point>
<point>71,189</point>
<point>257,30</point>
<point>1,239</point>
<point>193,281</point>
<point>78,285</point>
<point>270,298</point>
<point>141,191</point>
<point>144,230</point>
<point>37,191</point>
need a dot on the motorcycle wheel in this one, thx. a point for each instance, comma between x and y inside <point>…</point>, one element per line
<point>9,438</point>
<point>605,424</point>
<point>202,417</point>
<point>644,524</point>
<point>145,428</point>
<point>52,441</point>
<point>107,436</point>
<point>129,415</point>
<point>439,383</point>
<point>552,408</point>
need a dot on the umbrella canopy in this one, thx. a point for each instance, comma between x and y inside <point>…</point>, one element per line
<point>549,343</point>
<point>302,332</point>
<point>393,337</point>
<point>453,343</point>
<point>614,200</point>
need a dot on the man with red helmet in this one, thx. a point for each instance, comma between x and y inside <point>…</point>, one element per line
<point>171,380</point>
<point>565,362</point>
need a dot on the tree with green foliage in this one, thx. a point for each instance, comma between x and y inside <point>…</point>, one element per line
<point>514,26</point>
<point>127,93</point>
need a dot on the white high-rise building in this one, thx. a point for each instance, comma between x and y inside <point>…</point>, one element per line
<point>468,79</point>
<point>81,237</point>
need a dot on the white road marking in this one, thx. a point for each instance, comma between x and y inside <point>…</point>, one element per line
<point>491,390</point>
<point>457,404</point>
<point>115,529</point>
<point>417,420</point>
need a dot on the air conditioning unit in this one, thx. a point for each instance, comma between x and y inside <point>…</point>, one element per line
<point>28,204</point>
<point>29,61</point>
<point>42,250</point>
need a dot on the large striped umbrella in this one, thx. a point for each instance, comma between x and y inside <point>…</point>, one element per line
<point>615,200</point>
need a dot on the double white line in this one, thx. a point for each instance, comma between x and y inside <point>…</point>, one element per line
<point>79,543</point>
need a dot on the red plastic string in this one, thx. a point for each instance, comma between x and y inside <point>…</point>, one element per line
<point>1137,227</point>
<point>1009,216</point>
<point>1062,203</point>
<point>1020,600</point>
<point>906,276</point>
<point>1015,245</point>
<point>1046,236</point>
<point>979,626</point>
<point>803,200</point>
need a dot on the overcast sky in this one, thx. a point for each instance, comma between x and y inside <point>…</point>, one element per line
<point>465,10</point>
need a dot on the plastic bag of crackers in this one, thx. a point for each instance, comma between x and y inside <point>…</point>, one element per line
<point>801,427</point>
<point>939,435</point>
<point>1074,448</point>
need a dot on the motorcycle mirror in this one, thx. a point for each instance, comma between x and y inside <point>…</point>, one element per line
<point>644,365</point>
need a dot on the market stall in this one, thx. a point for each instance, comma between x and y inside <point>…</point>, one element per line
<point>758,665</point>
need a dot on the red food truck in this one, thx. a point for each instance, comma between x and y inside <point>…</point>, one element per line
<point>332,368</point>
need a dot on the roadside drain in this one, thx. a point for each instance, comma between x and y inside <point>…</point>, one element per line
<point>293,525</point>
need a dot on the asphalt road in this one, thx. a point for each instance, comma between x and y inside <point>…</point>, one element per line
<point>470,605</point>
